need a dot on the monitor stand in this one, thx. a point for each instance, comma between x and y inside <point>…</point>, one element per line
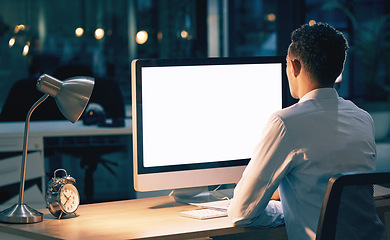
<point>200,195</point>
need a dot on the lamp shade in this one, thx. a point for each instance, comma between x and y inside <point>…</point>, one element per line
<point>71,95</point>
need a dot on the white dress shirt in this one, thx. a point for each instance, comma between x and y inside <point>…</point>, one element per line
<point>302,146</point>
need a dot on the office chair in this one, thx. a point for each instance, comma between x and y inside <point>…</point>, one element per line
<point>21,97</point>
<point>354,207</point>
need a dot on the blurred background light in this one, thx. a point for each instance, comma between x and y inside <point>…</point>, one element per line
<point>271,17</point>
<point>11,42</point>
<point>79,32</point>
<point>99,33</point>
<point>184,34</point>
<point>141,37</point>
<point>26,48</point>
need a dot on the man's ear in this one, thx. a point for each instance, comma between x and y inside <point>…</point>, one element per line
<point>296,67</point>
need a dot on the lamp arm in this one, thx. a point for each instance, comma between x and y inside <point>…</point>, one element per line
<point>25,145</point>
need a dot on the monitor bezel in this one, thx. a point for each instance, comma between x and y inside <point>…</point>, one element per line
<point>136,76</point>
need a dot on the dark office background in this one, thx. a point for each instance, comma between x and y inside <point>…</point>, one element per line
<point>182,29</point>
<point>39,36</point>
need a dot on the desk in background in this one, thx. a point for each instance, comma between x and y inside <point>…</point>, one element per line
<point>52,145</point>
<point>149,218</point>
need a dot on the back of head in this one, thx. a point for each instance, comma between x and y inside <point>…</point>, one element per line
<point>322,51</point>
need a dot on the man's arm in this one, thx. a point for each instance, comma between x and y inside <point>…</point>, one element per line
<point>251,205</point>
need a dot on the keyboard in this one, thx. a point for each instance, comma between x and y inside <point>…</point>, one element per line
<point>204,213</point>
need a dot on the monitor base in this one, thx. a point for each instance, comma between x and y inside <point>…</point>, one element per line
<point>200,195</point>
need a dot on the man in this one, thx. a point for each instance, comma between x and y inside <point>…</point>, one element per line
<point>304,145</point>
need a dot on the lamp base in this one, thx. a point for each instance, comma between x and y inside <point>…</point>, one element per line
<point>21,213</point>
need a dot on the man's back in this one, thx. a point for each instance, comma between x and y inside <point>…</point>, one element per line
<point>301,148</point>
<point>331,135</point>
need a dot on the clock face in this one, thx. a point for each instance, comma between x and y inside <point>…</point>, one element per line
<point>69,198</point>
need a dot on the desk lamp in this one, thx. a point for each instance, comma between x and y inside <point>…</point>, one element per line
<point>72,96</point>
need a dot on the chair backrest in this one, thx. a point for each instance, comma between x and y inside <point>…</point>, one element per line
<point>20,99</point>
<point>352,204</point>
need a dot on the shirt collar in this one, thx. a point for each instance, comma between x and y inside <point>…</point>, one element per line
<point>320,93</point>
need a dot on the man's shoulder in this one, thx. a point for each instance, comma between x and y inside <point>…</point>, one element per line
<point>306,108</point>
<point>295,110</point>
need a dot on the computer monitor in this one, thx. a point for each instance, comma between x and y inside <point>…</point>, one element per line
<point>196,122</point>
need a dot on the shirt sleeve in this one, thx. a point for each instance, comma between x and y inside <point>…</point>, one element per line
<point>251,205</point>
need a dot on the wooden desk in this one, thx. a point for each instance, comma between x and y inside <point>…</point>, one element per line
<point>151,218</point>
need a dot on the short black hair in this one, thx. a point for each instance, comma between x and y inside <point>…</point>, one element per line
<point>321,49</point>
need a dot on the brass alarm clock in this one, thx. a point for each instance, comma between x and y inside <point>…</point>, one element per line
<point>62,196</point>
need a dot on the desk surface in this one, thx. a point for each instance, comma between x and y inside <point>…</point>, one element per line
<point>151,218</point>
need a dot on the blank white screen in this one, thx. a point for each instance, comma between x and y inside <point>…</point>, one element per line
<point>197,114</point>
